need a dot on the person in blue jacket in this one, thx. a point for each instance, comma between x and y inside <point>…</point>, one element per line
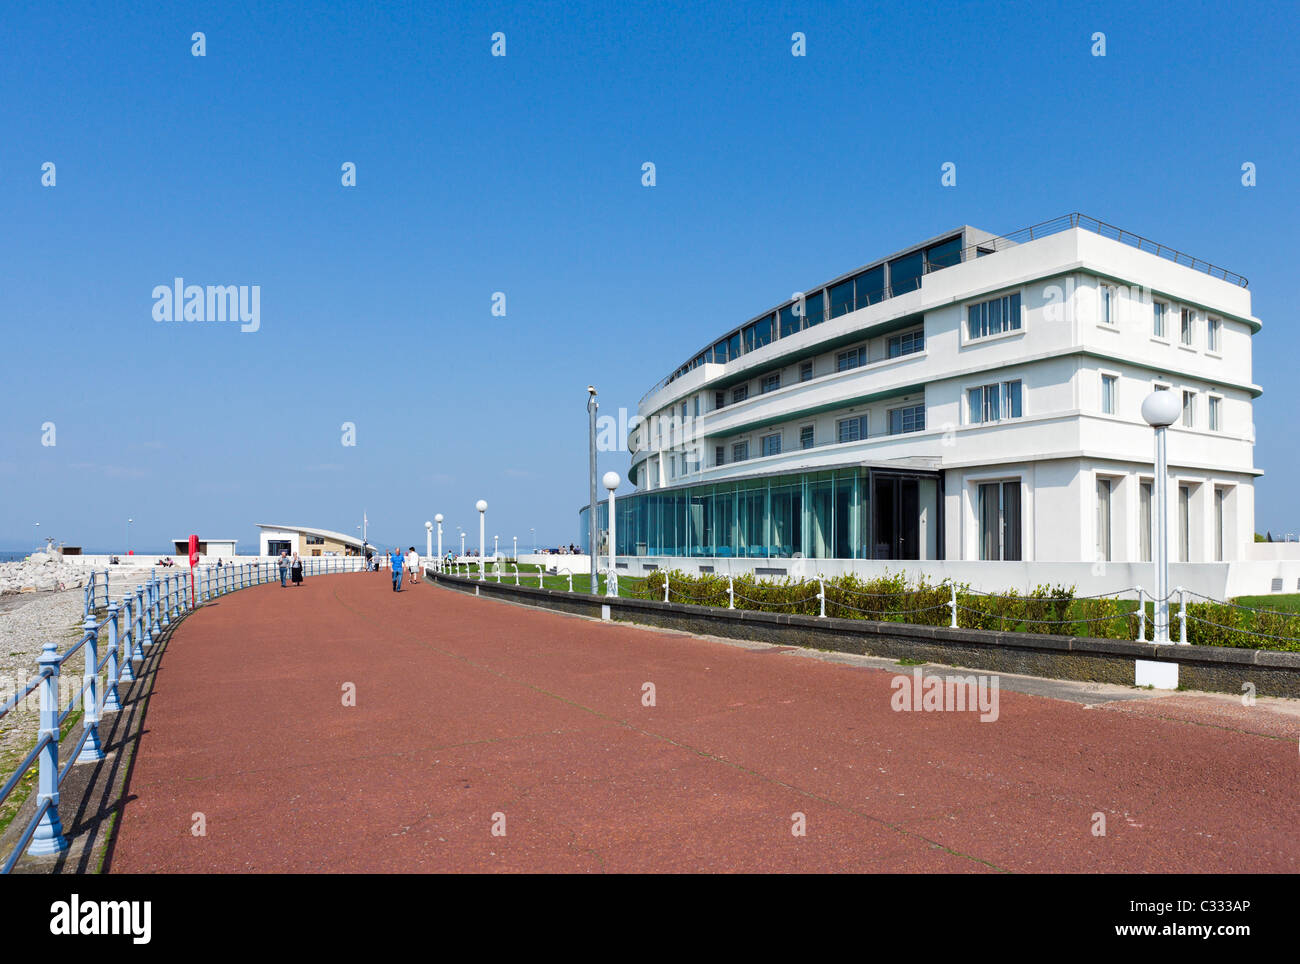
<point>395,560</point>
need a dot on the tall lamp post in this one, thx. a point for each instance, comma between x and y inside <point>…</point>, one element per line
<point>592,405</point>
<point>438,519</point>
<point>1161,409</point>
<point>428,541</point>
<point>611,581</point>
<point>532,537</point>
<point>495,541</point>
<point>462,542</point>
<point>516,553</point>
<point>128,536</point>
<point>481,505</point>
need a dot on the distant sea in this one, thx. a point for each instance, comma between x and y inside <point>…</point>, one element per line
<point>18,555</point>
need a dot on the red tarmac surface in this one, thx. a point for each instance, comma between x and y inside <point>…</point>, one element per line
<point>468,708</point>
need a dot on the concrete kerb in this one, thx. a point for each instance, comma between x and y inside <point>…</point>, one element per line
<point>1207,668</point>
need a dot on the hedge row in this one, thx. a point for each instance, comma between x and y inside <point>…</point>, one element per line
<point>1047,609</point>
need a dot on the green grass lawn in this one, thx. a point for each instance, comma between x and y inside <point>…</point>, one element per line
<point>1281,603</point>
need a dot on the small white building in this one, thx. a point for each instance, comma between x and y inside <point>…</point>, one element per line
<point>216,548</point>
<point>305,541</point>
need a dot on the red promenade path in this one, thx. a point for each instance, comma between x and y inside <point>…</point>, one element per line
<point>466,708</point>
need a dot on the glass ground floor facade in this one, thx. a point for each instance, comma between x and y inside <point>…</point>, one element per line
<point>853,512</point>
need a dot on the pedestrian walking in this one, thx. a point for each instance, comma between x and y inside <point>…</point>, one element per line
<point>296,568</point>
<point>395,561</point>
<point>284,568</point>
<point>413,564</point>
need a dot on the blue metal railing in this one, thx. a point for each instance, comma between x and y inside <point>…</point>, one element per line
<point>134,625</point>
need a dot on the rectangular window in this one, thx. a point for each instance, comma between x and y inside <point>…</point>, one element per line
<point>991,403</point>
<point>909,419</point>
<point>790,322</point>
<point>1144,521</point>
<point>1220,501</point>
<point>993,317</point>
<point>739,451</point>
<point>806,371</point>
<point>719,400</point>
<point>851,429</point>
<point>733,346</point>
<point>853,358</point>
<point>1184,523</point>
<point>944,254</point>
<point>905,273</point>
<point>719,455</point>
<point>842,298</point>
<point>1108,383</point>
<point>907,343</point>
<point>806,437</point>
<point>1189,409</point>
<point>771,444</point>
<point>1107,305</point>
<point>869,287</point>
<point>770,382</point>
<point>999,520</point>
<point>1216,404</point>
<point>697,406</point>
<point>1158,311</point>
<point>1187,324</point>
<point>739,394</point>
<point>1103,520</point>
<point>1212,334</point>
<point>814,310</point>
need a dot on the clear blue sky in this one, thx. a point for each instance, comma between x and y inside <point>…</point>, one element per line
<point>522,174</point>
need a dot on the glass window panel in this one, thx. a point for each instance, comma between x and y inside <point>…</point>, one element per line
<point>905,273</point>
<point>1011,520</point>
<point>841,298</point>
<point>763,332</point>
<point>869,287</point>
<point>806,437</point>
<point>1013,399</point>
<point>815,309</point>
<point>944,254</point>
<point>790,322</point>
<point>975,406</point>
<point>733,346</point>
<point>806,371</point>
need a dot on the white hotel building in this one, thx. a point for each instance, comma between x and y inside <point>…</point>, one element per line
<point>970,399</point>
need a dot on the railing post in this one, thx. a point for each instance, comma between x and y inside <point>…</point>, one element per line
<point>164,590</point>
<point>665,585</point>
<point>731,592</point>
<point>570,580</point>
<point>142,628</point>
<point>821,597</point>
<point>1142,615</point>
<point>176,597</point>
<point>149,587</point>
<point>1182,616</point>
<point>952,605</point>
<point>48,837</point>
<point>516,573</point>
<point>125,672</point>
<point>91,750</point>
<point>111,702</point>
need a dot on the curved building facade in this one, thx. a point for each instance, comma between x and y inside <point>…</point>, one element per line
<point>971,397</point>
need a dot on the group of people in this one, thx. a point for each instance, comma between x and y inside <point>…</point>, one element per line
<point>288,566</point>
<point>398,562</point>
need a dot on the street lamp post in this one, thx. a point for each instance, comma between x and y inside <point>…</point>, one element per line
<point>428,541</point>
<point>128,536</point>
<point>611,581</point>
<point>495,541</point>
<point>516,552</point>
<point>1161,409</point>
<point>462,543</point>
<point>438,519</point>
<point>532,537</point>
<point>591,458</point>
<point>481,505</point>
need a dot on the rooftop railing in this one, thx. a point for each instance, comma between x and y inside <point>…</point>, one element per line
<point>980,249</point>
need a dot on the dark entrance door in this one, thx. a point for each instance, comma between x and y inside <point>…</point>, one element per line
<point>896,518</point>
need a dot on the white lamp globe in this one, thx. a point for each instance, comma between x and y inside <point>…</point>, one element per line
<point>611,480</point>
<point>481,505</point>
<point>1161,409</point>
<point>438,518</point>
<point>428,525</point>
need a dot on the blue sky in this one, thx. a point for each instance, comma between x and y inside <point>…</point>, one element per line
<point>522,174</point>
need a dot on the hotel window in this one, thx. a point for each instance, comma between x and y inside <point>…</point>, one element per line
<point>683,409</point>
<point>905,273</point>
<point>739,394</point>
<point>945,254</point>
<point>1103,520</point>
<point>806,371</point>
<point>1220,515</point>
<point>909,419</point>
<point>697,406</point>
<point>1184,523</point>
<point>790,322</point>
<point>1188,320</point>
<point>1108,297</point>
<point>991,403</point>
<point>770,382</point>
<point>315,540</point>
<point>719,353</point>
<point>993,317</point>
<point>771,444</point>
<point>907,343</point>
<point>999,520</point>
<point>1212,334</point>
<point>842,298</point>
<point>719,455</point>
<point>719,400</point>
<point>739,451</point>
<point>1108,383</point>
<point>853,358</point>
<point>814,310</point>
<point>1158,311</point>
<point>758,334</point>
<point>851,429</point>
<point>1189,409</point>
<point>1216,404</point>
<point>1144,521</point>
<point>869,287</point>
<point>806,437</point>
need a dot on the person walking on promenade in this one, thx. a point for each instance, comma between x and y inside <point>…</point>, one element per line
<point>413,564</point>
<point>284,568</point>
<point>297,570</point>
<point>395,561</point>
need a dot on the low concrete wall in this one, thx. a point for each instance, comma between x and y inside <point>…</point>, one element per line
<point>1211,668</point>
